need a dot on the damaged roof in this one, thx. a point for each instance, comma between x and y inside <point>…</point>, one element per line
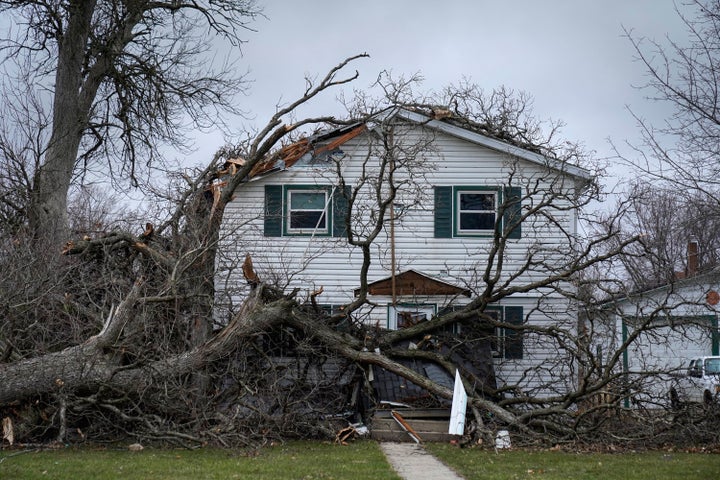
<point>446,122</point>
<point>316,145</point>
<point>312,146</point>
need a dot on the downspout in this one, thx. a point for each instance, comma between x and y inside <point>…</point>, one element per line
<point>392,254</point>
<point>625,358</point>
<point>392,222</point>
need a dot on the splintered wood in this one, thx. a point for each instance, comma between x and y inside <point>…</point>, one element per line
<point>8,432</point>
<point>405,426</point>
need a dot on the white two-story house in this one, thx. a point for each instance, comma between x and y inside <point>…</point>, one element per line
<point>469,216</point>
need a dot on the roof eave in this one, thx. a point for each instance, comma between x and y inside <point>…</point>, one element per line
<point>492,143</point>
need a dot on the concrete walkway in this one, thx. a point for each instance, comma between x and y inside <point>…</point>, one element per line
<point>412,462</point>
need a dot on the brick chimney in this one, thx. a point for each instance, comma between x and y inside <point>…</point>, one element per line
<point>693,257</point>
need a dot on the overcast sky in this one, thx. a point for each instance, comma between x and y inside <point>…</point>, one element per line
<point>570,55</point>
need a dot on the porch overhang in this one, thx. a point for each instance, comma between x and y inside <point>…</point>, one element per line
<point>414,283</point>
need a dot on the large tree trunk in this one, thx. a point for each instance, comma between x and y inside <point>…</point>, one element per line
<point>87,366</point>
<point>47,211</point>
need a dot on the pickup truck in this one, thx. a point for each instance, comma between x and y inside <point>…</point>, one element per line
<point>699,384</point>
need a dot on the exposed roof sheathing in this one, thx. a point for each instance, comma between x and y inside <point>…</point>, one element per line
<point>289,155</point>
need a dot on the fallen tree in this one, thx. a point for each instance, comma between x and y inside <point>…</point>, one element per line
<point>161,367</point>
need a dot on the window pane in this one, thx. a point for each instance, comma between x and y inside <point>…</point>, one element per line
<point>406,315</point>
<point>410,318</point>
<point>712,365</point>
<point>307,200</point>
<point>476,211</point>
<point>477,201</point>
<point>477,221</point>
<point>303,220</point>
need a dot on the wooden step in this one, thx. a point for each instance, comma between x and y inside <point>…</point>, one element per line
<point>436,413</point>
<point>431,426</point>
<point>417,425</point>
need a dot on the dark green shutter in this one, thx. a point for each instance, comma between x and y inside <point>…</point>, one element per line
<point>340,211</point>
<point>273,210</point>
<point>443,212</point>
<point>512,211</point>
<point>514,338</point>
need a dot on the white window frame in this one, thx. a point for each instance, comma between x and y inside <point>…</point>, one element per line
<point>316,230</point>
<point>458,211</point>
<point>497,341</point>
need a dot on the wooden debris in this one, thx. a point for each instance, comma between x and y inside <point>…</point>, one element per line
<point>8,432</point>
<point>234,164</point>
<point>68,247</point>
<point>313,296</point>
<point>216,191</point>
<point>341,140</point>
<point>405,426</point>
<point>249,272</point>
<point>440,113</point>
<point>344,434</point>
<point>351,431</point>
<point>148,232</point>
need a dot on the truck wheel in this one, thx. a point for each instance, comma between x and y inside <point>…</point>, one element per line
<point>707,397</point>
<point>674,399</point>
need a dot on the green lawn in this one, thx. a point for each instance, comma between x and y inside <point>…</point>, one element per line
<point>359,460</point>
<point>297,460</point>
<point>544,465</point>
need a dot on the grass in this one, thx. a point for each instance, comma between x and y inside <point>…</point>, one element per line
<point>544,465</point>
<point>296,460</point>
<point>362,459</point>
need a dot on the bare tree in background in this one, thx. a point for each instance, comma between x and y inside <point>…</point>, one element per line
<point>677,201</point>
<point>669,222</point>
<point>126,78</point>
<point>683,74</point>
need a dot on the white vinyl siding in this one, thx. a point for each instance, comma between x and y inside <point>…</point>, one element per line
<point>311,262</point>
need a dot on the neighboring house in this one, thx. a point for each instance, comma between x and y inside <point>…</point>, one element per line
<point>658,331</point>
<point>457,187</point>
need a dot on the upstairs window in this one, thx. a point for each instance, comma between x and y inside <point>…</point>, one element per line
<point>476,212</point>
<point>307,211</point>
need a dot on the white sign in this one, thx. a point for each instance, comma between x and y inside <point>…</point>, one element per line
<point>459,406</point>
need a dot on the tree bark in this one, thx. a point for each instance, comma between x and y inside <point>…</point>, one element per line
<point>88,366</point>
<point>47,212</point>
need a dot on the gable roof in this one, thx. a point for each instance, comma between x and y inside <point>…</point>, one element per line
<point>487,141</point>
<point>327,141</point>
<point>412,282</point>
<point>705,279</point>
